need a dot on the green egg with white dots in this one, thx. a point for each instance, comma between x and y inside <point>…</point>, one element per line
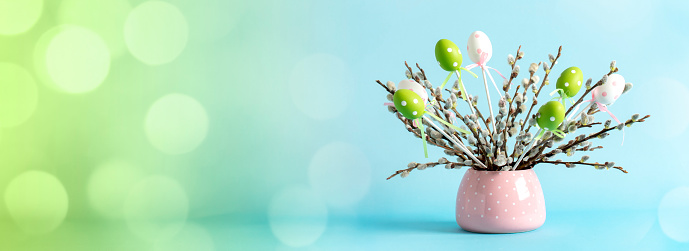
<point>408,103</point>
<point>550,115</point>
<point>448,55</point>
<point>570,81</point>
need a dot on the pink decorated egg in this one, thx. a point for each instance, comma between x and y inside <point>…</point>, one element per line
<point>412,85</point>
<point>609,91</point>
<point>478,44</point>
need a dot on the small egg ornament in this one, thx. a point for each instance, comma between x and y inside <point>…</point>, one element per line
<point>549,118</point>
<point>409,103</point>
<point>450,59</point>
<point>448,55</point>
<point>570,81</point>
<point>480,51</point>
<point>551,115</point>
<point>606,94</point>
<point>610,91</point>
<point>411,106</point>
<point>412,85</point>
<point>477,45</point>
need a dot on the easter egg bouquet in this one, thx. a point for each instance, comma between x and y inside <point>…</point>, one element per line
<point>500,192</point>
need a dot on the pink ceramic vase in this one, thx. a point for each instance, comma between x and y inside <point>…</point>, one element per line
<point>500,202</point>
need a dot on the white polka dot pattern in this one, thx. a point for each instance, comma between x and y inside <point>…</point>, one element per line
<point>500,202</point>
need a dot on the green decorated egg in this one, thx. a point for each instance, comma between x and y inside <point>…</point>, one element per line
<point>550,115</point>
<point>448,55</point>
<point>570,81</point>
<point>408,103</point>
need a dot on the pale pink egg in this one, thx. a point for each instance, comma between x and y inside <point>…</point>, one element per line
<point>479,43</point>
<point>609,91</point>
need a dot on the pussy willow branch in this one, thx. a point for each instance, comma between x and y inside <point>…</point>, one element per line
<point>577,125</point>
<point>418,80</point>
<point>572,143</point>
<point>485,121</point>
<point>568,163</point>
<point>439,110</point>
<point>422,72</point>
<point>590,149</point>
<point>535,101</point>
<point>481,145</point>
<point>480,154</point>
<point>539,147</point>
<point>440,100</point>
<point>513,75</point>
<point>535,98</point>
<point>407,122</point>
<point>479,129</point>
<point>506,88</point>
<point>509,113</point>
<point>457,116</point>
<point>386,88</point>
<point>429,164</point>
<point>545,78</point>
<point>428,138</point>
<point>535,94</point>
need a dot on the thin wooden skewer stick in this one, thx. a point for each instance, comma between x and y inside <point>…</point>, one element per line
<point>461,146</point>
<point>490,107</point>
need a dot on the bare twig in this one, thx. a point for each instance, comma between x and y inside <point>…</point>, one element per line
<point>568,163</point>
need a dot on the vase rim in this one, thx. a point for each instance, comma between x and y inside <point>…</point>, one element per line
<point>530,169</point>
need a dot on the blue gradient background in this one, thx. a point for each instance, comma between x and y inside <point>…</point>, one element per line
<point>261,142</point>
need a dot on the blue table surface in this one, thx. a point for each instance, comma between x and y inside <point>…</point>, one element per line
<point>575,230</point>
<point>563,230</point>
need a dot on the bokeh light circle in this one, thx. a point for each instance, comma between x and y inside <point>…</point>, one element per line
<point>18,95</point>
<point>340,173</point>
<point>105,17</point>
<point>192,237</point>
<point>18,16</point>
<point>319,86</point>
<point>156,32</point>
<point>37,202</point>
<point>176,124</point>
<point>73,59</point>
<point>297,216</point>
<point>673,214</point>
<point>156,208</point>
<point>109,186</point>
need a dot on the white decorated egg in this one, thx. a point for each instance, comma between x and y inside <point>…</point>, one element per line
<point>478,44</point>
<point>412,85</point>
<point>609,91</point>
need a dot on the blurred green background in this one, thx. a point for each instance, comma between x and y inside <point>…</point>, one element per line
<point>114,114</point>
<point>222,124</point>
